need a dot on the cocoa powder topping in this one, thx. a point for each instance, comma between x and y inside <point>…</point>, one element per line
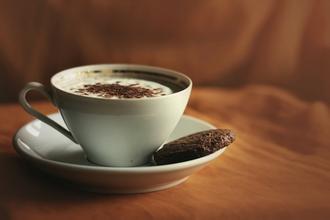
<point>117,90</point>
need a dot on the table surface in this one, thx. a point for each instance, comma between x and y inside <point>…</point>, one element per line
<point>278,168</point>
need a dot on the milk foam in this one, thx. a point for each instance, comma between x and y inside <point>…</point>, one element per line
<point>75,84</point>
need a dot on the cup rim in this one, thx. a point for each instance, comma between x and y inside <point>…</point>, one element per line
<point>121,65</point>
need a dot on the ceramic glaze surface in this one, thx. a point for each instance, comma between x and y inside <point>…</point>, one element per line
<point>115,132</point>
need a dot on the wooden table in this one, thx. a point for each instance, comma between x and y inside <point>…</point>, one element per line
<point>279,167</point>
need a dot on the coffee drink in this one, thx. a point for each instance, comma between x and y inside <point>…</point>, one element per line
<point>109,85</point>
<point>116,88</point>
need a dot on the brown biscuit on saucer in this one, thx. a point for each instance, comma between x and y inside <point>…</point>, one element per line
<point>193,146</point>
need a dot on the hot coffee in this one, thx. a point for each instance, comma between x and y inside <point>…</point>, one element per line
<point>117,85</point>
<point>117,88</point>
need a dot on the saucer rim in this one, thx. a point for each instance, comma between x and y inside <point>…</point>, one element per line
<point>137,169</point>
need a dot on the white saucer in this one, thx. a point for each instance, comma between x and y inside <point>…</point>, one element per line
<point>53,153</point>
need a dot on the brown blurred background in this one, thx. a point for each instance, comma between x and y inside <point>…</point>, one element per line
<point>217,42</point>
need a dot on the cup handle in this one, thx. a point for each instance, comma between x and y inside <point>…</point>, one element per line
<point>28,108</point>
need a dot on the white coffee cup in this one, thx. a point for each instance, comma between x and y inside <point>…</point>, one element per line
<point>115,132</point>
